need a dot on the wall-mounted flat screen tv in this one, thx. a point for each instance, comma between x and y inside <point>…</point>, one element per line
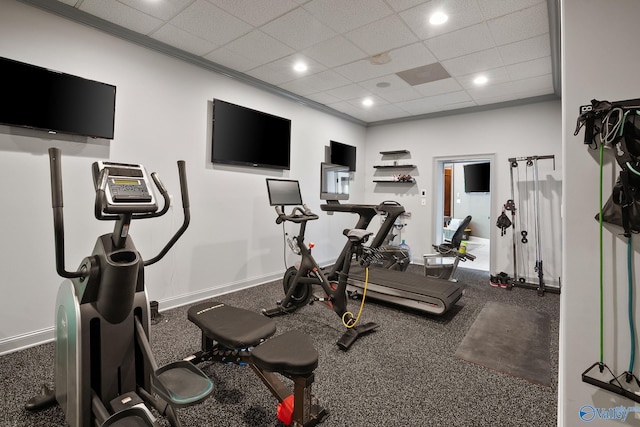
<point>242,136</point>
<point>39,98</point>
<point>477,178</point>
<point>343,154</point>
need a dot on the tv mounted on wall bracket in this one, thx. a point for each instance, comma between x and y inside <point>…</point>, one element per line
<point>40,98</point>
<point>246,137</point>
<point>343,154</point>
<point>477,178</point>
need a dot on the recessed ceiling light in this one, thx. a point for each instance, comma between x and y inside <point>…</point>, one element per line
<point>480,80</point>
<point>300,67</point>
<point>438,18</point>
<point>367,102</point>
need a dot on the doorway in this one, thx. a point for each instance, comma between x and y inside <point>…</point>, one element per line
<point>454,201</point>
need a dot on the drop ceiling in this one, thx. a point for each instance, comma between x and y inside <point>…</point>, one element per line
<point>385,51</point>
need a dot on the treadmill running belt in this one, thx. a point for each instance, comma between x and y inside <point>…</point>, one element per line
<point>412,290</point>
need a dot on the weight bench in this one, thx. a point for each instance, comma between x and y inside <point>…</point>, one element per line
<point>235,335</point>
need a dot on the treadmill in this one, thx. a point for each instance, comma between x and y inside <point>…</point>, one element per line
<point>422,293</point>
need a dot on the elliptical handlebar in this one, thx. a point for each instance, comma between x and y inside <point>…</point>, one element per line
<point>57,203</point>
<point>297,215</point>
<point>184,191</point>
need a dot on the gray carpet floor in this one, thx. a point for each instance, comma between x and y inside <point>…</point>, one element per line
<point>403,374</point>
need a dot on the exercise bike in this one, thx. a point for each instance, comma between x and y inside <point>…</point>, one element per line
<point>299,281</point>
<point>105,372</point>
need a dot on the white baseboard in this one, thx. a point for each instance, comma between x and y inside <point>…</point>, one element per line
<point>30,339</point>
<point>43,336</point>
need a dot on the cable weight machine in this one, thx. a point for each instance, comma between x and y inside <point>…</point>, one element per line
<point>524,235</point>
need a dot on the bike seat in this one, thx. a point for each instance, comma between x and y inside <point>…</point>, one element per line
<point>231,326</point>
<point>357,235</point>
<point>291,353</point>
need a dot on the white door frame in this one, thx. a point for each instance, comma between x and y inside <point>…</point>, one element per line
<point>438,198</point>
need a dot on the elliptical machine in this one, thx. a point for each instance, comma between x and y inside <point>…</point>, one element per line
<point>105,371</point>
<point>299,281</point>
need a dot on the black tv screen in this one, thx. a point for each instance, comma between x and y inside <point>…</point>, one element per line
<point>39,98</point>
<point>477,178</point>
<point>343,154</point>
<point>242,136</point>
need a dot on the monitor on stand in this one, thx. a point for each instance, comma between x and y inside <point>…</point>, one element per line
<point>334,182</point>
<point>284,192</point>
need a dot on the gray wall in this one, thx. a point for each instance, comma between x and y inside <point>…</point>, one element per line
<point>498,135</point>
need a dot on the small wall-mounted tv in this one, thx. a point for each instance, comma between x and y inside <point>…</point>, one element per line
<point>39,98</point>
<point>343,154</point>
<point>246,137</point>
<point>477,178</point>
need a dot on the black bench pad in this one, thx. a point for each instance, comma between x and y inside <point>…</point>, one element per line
<point>290,353</point>
<point>231,326</point>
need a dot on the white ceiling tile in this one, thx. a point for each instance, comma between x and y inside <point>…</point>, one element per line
<point>520,25</point>
<point>490,91</point>
<point>438,87</point>
<point>381,36</point>
<point>435,103</point>
<point>323,81</point>
<point>122,15</point>
<point>256,12</point>
<point>495,76</point>
<point>475,62</point>
<point>525,50</point>
<point>462,13</point>
<point>181,39</point>
<point>281,70</point>
<point>404,58</point>
<point>343,16</point>
<point>334,52</point>
<point>389,83</point>
<point>164,10</point>
<point>210,23</point>
<point>495,8</point>
<point>534,68</point>
<point>400,5</point>
<point>323,98</point>
<point>298,29</point>
<point>541,84</point>
<point>348,92</point>
<point>461,42</point>
<point>412,56</point>
<point>346,43</point>
<point>259,47</point>
<point>231,59</point>
<point>398,95</point>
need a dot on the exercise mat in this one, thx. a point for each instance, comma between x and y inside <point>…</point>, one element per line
<point>510,339</point>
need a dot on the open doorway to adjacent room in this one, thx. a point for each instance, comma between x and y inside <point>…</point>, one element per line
<point>454,199</point>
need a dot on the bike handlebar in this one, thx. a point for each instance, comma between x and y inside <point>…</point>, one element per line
<point>297,215</point>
